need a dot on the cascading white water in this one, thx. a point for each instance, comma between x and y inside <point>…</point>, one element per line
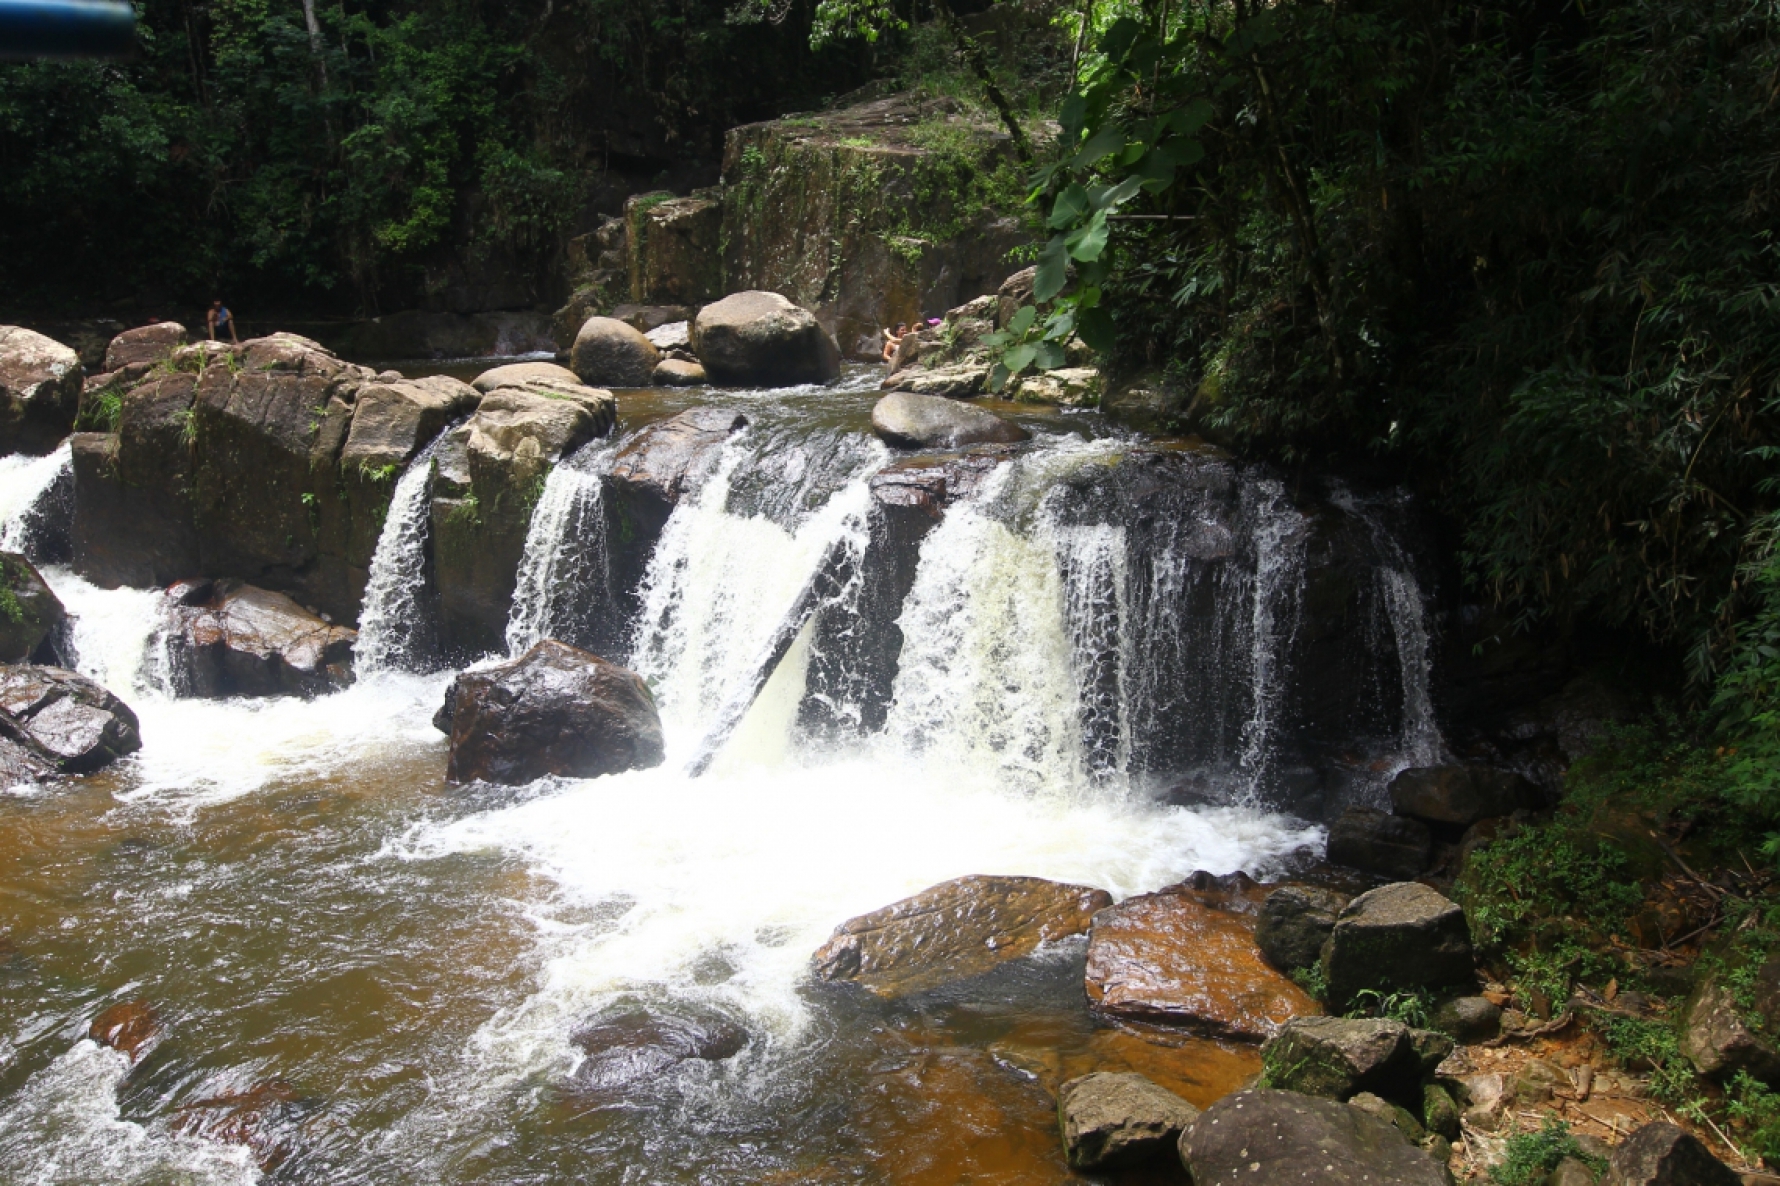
<point>23,483</point>
<point>1103,642</point>
<point>1400,594</point>
<point>1279,575</point>
<point>565,559</point>
<point>393,622</point>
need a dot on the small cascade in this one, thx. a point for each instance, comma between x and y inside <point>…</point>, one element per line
<point>1097,610</point>
<point>565,582</point>
<point>395,627</point>
<point>1405,610</point>
<point>1279,539</point>
<point>37,504</point>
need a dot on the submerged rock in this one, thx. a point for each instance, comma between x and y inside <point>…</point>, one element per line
<point>631,1045</point>
<point>129,1027</point>
<point>1167,958</point>
<point>1270,1137</point>
<point>955,929</point>
<point>1666,1155</point>
<point>911,421</point>
<point>760,339</point>
<point>1397,937</point>
<point>79,725</point>
<point>31,615</point>
<point>40,384</point>
<point>1119,1118</point>
<point>609,353</point>
<point>225,638</point>
<point>266,1118</point>
<point>554,710</point>
<point>1460,795</point>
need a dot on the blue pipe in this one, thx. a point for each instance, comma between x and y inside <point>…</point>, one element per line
<point>66,29</point>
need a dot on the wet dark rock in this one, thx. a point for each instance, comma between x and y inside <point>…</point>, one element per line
<point>1337,1057</point>
<point>1469,1019</point>
<point>626,1047</point>
<point>760,339</point>
<point>266,1118</point>
<point>1397,937</point>
<point>1718,1038</point>
<point>1169,958</point>
<point>394,421</point>
<point>425,333</point>
<point>79,725</point>
<point>1280,1136</point>
<point>1115,1118</point>
<point>554,710</point>
<point>911,421</point>
<point>1294,923</point>
<point>954,930</point>
<point>225,638</point>
<point>31,615</point>
<point>1395,1115</point>
<point>609,353</point>
<point>1460,795</point>
<point>1665,1155</point>
<point>675,248</point>
<point>1388,845</point>
<point>1440,1112</point>
<point>129,1027</point>
<point>675,372</point>
<point>40,385</point>
<point>648,318</point>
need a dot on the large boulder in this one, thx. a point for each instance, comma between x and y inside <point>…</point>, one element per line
<point>40,383</point>
<point>1388,845</point>
<point>394,421</point>
<point>31,615</point>
<point>760,339</point>
<point>1399,936</point>
<point>1460,795</point>
<point>1114,1118</point>
<point>1716,1034</point>
<point>609,353</point>
<point>911,421</point>
<point>954,930</point>
<point>1275,1137</point>
<point>1168,958</point>
<point>490,472</point>
<point>224,638</point>
<point>1339,1057</point>
<point>1666,1155</point>
<point>676,249</point>
<point>1294,923</point>
<point>79,725</point>
<point>554,710</point>
<point>143,346</point>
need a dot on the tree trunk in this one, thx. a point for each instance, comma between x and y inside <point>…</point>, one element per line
<point>979,65</point>
<point>315,45</point>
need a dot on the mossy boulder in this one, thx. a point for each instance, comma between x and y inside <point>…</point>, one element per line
<point>31,615</point>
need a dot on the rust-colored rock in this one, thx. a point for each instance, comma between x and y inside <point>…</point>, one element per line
<point>129,1027</point>
<point>954,930</point>
<point>264,1118</point>
<point>1169,959</point>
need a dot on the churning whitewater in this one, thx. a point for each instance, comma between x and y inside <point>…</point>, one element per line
<point>467,934</point>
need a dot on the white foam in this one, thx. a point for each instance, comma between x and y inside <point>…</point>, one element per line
<point>23,480</point>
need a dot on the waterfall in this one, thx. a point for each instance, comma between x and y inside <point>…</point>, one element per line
<point>1406,611</point>
<point>28,487</point>
<point>395,629</point>
<point>1278,577</point>
<point>1097,615</point>
<point>735,556</point>
<point>564,576</point>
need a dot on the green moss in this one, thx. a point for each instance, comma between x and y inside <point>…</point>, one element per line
<point>10,609</point>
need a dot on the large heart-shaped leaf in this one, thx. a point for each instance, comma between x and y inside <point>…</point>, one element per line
<point>1053,270</point>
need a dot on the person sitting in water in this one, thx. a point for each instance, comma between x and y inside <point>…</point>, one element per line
<point>893,338</point>
<point>219,319</point>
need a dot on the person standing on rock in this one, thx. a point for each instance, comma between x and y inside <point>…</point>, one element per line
<point>220,319</point>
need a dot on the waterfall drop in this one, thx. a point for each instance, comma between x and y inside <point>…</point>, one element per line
<point>565,575</point>
<point>36,503</point>
<point>395,628</point>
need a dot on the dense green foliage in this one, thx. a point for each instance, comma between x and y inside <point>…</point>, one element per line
<point>1529,1157</point>
<point>364,162</point>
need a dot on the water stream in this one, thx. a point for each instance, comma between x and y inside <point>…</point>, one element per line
<point>300,897</point>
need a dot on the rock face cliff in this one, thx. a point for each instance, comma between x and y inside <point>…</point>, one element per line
<point>890,210</point>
